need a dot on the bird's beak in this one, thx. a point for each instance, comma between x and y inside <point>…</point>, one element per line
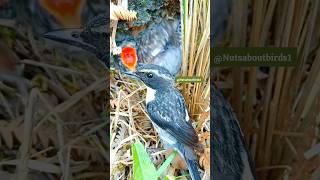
<point>71,37</point>
<point>131,74</point>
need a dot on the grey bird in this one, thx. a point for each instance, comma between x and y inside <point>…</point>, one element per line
<point>220,13</point>
<point>230,158</point>
<point>93,37</point>
<point>169,115</point>
<point>158,44</point>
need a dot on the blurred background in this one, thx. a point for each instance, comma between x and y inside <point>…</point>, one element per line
<point>278,107</point>
<point>53,97</point>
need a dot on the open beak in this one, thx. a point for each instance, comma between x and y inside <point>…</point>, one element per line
<point>71,37</point>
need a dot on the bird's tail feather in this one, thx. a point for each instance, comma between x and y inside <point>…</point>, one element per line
<point>191,160</point>
<point>193,169</point>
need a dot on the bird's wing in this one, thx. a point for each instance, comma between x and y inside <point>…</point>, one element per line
<point>98,23</point>
<point>155,39</point>
<point>230,157</point>
<point>169,113</point>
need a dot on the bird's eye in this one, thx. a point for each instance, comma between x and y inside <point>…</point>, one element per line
<point>75,35</point>
<point>149,75</point>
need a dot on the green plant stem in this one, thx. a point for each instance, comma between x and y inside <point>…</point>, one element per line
<point>182,176</point>
<point>184,15</point>
<point>166,163</point>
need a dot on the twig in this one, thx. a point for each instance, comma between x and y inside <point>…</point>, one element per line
<point>22,169</point>
<point>54,67</point>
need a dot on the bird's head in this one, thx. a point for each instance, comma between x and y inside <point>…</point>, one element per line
<point>129,57</point>
<point>71,37</point>
<point>68,13</point>
<point>154,76</point>
<point>92,37</point>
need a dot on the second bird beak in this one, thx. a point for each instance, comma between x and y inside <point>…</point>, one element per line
<point>70,37</point>
<point>131,74</point>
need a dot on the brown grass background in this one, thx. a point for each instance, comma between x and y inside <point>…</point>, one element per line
<point>278,108</point>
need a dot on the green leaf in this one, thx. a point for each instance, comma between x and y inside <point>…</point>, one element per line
<point>143,169</point>
<point>170,177</point>
<point>166,164</point>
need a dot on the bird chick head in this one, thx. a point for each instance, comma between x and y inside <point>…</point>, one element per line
<point>129,57</point>
<point>154,76</point>
<point>68,13</point>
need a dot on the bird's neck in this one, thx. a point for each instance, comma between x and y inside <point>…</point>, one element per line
<point>151,95</point>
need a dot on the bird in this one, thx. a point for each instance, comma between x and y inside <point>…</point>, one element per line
<point>48,15</point>
<point>168,113</point>
<point>93,37</point>
<point>67,13</point>
<point>159,44</point>
<point>231,159</point>
<point>129,58</point>
<point>86,26</point>
<point>220,12</point>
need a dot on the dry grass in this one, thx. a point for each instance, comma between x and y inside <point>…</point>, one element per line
<point>196,52</point>
<point>129,123</point>
<point>42,133</point>
<point>278,107</point>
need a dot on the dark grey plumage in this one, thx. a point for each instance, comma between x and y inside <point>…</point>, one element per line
<point>160,44</point>
<point>221,10</point>
<point>230,158</point>
<point>93,37</point>
<point>95,32</point>
<point>169,115</point>
<point>168,111</point>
